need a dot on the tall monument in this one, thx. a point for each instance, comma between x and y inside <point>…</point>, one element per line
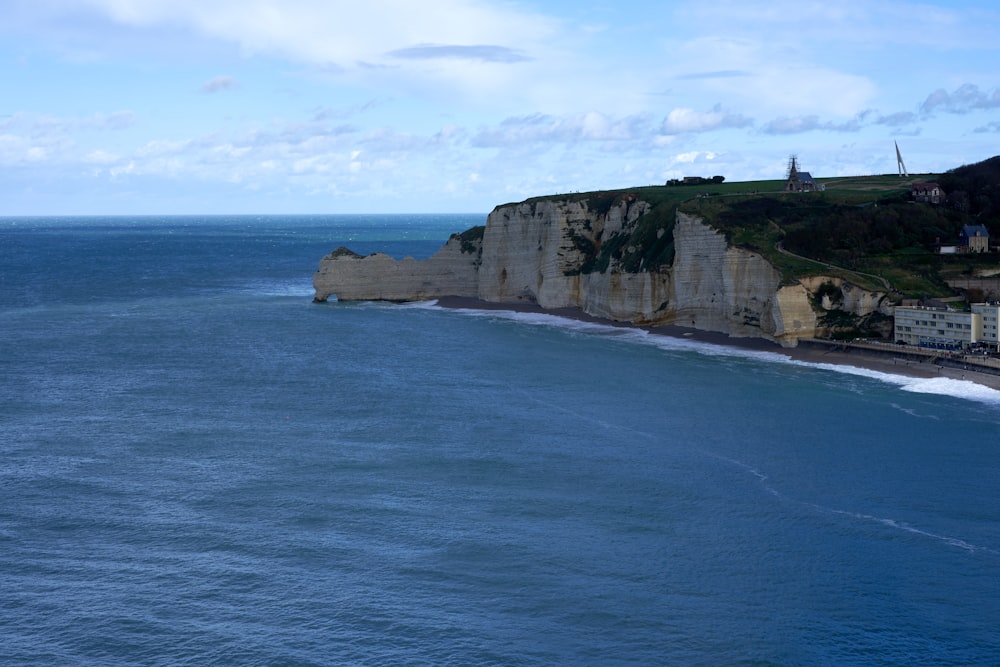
<point>899,162</point>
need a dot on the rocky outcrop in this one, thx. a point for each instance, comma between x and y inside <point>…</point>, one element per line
<point>379,277</point>
<point>580,254</point>
<point>847,296</point>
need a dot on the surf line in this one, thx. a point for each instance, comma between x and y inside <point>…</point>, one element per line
<point>762,479</point>
<point>942,386</point>
<point>905,527</point>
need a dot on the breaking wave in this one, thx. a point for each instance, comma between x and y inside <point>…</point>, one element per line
<point>963,389</point>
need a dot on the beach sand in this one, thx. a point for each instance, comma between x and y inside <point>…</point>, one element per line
<point>875,361</point>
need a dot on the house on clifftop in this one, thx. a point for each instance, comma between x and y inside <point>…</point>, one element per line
<point>930,193</point>
<point>974,238</point>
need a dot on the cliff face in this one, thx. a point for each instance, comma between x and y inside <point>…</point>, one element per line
<point>719,288</point>
<point>547,252</point>
<point>535,252</point>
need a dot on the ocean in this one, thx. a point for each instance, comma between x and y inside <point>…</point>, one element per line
<point>200,466</point>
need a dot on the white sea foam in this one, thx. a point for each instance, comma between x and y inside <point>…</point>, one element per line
<point>914,413</point>
<point>938,385</point>
<point>901,526</point>
<point>941,386</point>
<point>761,477</point>
<point>295,288</point>
<point>430,305</point>
<point>913,530</point>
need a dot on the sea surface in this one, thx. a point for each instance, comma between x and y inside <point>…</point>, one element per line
<point>200,466</point>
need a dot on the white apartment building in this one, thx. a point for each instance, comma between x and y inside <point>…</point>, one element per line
<point>990,313</point>
<point>942,329</point>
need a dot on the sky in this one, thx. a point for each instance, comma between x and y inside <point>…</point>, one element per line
<point>149,107</point>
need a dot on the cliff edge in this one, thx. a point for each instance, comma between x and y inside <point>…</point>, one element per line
<point>612,259</point>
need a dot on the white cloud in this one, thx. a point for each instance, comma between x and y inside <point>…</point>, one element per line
<point>511,59</point>
<point>772,77</point>
<point>48,125</point>
<point>897,119</point>
<point>691,157</point>
<point>321,32</point>
<point>479,95</point>
<point>787,125</point>
<point>489,53</point>
<point>100,157</point>
<point>218,84</point>
<point>34,147</point>
<point>482,54</point>
<point>542,128</point>
<point>967,97</point>
<point>123,170</point>
<point>119,120</point>
<point>12,148</point>
<point>35,154</point>
<point>683,120</point>
<point>228,151</point>
<point>160,147</point>
<point>814,123</point>
<point>859,23</point>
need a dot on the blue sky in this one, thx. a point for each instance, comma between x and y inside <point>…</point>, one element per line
<point>321,106</point>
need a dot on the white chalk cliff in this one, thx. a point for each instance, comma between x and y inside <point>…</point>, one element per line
<point>379,277</point>
<point>544,252</point>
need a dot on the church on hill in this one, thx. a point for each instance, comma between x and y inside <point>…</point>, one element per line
<point>799,181</point>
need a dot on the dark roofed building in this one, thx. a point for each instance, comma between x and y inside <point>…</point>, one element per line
<point>799,181</point>
<point>974,238</point>
<point>927,192</point>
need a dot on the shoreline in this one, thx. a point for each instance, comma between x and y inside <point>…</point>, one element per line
<point>813,352</point>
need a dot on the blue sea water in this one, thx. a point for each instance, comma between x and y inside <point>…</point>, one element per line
<point>198,465</point>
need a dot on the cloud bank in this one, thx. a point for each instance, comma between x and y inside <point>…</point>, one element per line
<point>487,53</point>
<point>965,99</point>
<point>219,84</point>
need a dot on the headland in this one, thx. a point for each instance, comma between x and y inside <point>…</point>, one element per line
<point>814,268</point>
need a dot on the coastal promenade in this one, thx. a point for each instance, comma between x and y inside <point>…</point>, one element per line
<point>906,354</point>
